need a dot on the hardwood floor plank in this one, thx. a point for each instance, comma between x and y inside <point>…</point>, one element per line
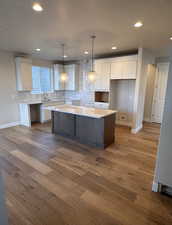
<point>51,180</point>
<point>34,163</point>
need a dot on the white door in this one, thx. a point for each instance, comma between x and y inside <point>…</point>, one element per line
<point>159,92</point>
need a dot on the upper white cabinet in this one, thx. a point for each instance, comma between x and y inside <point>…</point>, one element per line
<point>58,84</point>
<point>72,81</point>
<point>72,78</point>
<point>116,70</point>
<point>124,67</point>
<point>129,69</point>
<point>102,69</point>
<point>24,73</point>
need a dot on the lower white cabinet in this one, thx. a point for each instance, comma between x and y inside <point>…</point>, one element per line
<point>72,81</point>
<point>45,115</point>
<point>25,118</point>
<point>101,105</point>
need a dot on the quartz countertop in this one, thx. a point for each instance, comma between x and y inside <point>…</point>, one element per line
<point>81,110</point>
<point>30,102</point>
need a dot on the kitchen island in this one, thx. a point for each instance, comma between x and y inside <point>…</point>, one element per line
<point>91,126</point>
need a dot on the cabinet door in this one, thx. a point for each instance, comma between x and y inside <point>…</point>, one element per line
<point>116,70</point>
<point>98,75</point>
<point>70,83</point>
<point>105,81</point>
<point>102,75</point>
<point>89,130</point>
<point>46,115</point>
<point>24,74</point>
<point>129,69</point>
<point>64,124</point>
<point>58,84</point>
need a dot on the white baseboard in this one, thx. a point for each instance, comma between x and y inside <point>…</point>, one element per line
<point>45,121</point>
<point>156,187</point>
<point>137,129</point>
<point>13,124</point>
<point>148,120</point>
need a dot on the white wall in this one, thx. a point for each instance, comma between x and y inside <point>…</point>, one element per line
<point>163,171</point>
<point>9,112</point>
<point>144,59</point>
<point>42,62</point>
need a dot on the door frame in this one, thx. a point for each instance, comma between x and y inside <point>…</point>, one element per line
<point>156,73</point>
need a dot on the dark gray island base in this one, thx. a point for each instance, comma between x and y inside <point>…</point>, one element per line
<point>96,132</point>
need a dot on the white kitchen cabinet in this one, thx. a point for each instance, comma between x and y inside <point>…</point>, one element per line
<point>102,69</point>
<point>124,67</point>
<point>116,70</point>
<point>45,115</point>
<point>25,118</point>
<point>101,105</point>
<point>58,84</point>
<point>72,82</point>
<point>23,73</point>
<point>129,70</point>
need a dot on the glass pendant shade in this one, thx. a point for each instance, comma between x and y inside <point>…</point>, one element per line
<point>63,77</point>
<point>92,73</point>
<point>92,76</point>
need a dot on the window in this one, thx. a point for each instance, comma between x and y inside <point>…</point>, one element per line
<point>41,80</point>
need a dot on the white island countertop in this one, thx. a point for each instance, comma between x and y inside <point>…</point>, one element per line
<point>81,110</point>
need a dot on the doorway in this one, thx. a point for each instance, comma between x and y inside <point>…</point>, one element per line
<point>160,86</point>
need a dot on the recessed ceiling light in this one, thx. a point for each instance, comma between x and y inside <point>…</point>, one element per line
<point>38,49</point>
<point>65,56</point>
<point>114,47</point>
<point>37,7</point>
<point>138,24</point>
<point>86,52</point>
<point>170,38</point>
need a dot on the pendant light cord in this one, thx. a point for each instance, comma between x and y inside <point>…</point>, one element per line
<point>63,55</point>
<point>92,53</point>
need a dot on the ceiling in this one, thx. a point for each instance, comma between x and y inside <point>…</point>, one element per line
<point>73,21</point>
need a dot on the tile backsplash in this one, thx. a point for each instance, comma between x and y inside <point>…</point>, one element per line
<point>85,93</point>
<point>27,96</point>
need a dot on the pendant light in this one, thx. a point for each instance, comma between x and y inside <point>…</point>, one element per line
<point>92,73</point>
<point>63,75</point>
<point>37,6</point>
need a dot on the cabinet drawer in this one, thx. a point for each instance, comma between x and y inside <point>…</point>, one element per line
<point>101,105</point>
